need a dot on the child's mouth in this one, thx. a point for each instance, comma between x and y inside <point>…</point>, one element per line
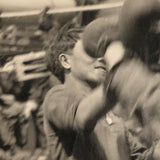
<point>101,67</point>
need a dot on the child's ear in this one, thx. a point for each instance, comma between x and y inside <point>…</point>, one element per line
<point>65,61</point>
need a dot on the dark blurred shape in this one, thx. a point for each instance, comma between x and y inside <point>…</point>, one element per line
<point>135,21</point>
<point>105,30</point>
<point>88,16</point>
<point>19,40</point>
<point>45,21</point>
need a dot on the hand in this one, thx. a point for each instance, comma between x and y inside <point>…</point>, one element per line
<point>114,54</point>
<point>30,106</point>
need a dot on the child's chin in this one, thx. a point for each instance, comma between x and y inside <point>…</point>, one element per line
<point>100,80</point>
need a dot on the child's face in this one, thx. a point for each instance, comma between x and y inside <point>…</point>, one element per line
<point>87,68</point>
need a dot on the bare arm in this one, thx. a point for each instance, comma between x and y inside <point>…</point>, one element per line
<point>91,108</point>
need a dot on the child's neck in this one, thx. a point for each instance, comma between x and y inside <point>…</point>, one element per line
<point>79,84</point>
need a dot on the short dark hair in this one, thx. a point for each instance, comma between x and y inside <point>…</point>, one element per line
<point>60,41</point>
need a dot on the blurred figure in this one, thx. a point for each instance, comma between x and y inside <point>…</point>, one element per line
<point>136,87</point>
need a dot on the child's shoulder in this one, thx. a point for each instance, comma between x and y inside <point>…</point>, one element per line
<point>53,95</point>
<point>56,90</point>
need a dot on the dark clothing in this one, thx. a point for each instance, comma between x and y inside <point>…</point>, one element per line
<point>59,111</point>
<point>66,142</point>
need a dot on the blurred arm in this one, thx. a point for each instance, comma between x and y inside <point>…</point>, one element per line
<point>132,81</point>
<point>90,109</point>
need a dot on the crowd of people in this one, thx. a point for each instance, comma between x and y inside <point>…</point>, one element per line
<point>102,99</point>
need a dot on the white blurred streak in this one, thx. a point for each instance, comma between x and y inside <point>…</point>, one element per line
<point>25,5</point>
<point>64,10</point>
